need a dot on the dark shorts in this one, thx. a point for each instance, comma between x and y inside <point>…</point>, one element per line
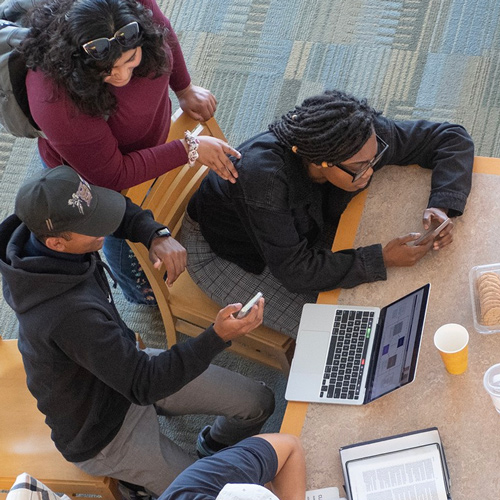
<point>251,461</point>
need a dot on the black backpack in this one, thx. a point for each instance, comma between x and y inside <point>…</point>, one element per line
<point>15,116</point>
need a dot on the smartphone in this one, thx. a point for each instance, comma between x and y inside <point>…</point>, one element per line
<point>246,308</point>
<point>431,232</point>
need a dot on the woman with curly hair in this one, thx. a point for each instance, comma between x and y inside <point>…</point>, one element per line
<point>98,79</point>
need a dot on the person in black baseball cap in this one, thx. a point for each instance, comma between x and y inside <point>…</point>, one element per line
<point>66,213</point>
<point>69,215</point>
<point>58,200</point>
<point>99,393</point>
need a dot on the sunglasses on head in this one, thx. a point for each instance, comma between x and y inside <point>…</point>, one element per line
<point>126,36</point>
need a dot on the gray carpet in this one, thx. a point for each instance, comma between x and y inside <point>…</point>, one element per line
<point>432,59</point>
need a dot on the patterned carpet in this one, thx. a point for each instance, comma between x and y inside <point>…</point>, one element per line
<point>433,59</point>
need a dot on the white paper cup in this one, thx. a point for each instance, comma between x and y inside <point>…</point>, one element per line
<point>452,342</point>
<point>491,383</point>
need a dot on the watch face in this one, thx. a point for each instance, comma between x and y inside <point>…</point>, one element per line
<point>163,232</point>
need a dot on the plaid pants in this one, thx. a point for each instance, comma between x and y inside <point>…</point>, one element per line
<point>226,282</point>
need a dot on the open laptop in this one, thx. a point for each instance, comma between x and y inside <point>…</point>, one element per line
<point>353,355</point>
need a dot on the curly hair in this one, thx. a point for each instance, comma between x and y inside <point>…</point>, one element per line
<point>330,127</point>
<point>59,28</point>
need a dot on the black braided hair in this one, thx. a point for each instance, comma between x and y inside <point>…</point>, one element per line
<point>330,127</point>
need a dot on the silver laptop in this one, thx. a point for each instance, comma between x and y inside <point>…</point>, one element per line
<point>353,355</point>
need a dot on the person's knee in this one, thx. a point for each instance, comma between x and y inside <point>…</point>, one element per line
<point>267,400</point>
<point>287,447</point>
<point>260,403</point>
<point>282,440</point>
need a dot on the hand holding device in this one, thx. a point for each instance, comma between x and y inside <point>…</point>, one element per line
<point>228,327</point>
<point>431,233</point>
<point>248,306</point>
<point>400,252</point>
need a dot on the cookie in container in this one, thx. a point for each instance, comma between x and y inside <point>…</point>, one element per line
<point>485,294</point>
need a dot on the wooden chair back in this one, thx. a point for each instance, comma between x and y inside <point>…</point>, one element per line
<point>180,123</point>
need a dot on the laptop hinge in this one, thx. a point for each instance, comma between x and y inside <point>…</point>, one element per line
<point>373,356</point>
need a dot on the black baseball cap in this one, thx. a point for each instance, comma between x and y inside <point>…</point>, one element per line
<point>58,200</point>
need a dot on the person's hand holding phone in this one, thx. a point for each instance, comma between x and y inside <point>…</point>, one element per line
<point>401,252</point>
<point>228,327</point>
<point>248,306</point>
<point>431,234</point>
<point>433,218</point>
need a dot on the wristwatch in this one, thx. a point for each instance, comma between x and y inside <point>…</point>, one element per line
<point>163,232</point>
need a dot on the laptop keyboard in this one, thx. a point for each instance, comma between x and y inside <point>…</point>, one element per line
<point>347,354</point>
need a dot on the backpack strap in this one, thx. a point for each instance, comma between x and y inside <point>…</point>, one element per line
<point>18,72</point>
<point>15,10</point>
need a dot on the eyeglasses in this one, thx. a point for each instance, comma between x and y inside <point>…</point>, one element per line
<point>126,36</point>
<point>382,148</point>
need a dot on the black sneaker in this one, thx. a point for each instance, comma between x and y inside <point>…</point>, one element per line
<point>131,491</point>
<point>202,448</point>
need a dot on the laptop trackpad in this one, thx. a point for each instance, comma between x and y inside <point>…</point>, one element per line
<point>317,317</point>
<point>310,355</point>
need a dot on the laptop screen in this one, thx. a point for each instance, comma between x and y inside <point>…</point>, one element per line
<point>396,349</point>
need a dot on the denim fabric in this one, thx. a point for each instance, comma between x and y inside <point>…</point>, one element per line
<point>44,165</point>
<point>128,272</point>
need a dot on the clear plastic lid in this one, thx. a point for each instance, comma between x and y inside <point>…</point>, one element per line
<point>492,380</point>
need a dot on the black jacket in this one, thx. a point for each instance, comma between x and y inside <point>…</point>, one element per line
<point>275,215</point>
<point>81,360</point>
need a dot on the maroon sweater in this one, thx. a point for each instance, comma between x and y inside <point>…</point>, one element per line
<point>128,148</point>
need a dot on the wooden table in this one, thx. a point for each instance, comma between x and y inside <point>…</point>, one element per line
<point>457,404</point>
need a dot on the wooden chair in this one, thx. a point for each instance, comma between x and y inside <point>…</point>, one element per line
<point>25,443</point>
<point>184,307</point>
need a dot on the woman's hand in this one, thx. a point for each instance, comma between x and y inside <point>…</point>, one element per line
<point>434,216</point>
<point>199,103</point>
<point>397,253</point>
<point>213,153</point>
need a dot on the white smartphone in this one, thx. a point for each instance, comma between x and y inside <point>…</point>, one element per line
<point>431,232</point>
<point>246,308</point>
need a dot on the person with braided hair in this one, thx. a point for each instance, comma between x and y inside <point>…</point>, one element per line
<point>272,230</point>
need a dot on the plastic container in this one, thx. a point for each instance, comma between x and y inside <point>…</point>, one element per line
<point>474,274</point>
<point>491,383</point>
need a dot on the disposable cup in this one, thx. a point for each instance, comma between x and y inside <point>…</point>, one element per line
<point>491,383</point>
<point>452,341</point>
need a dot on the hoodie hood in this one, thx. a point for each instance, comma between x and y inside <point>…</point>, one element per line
<point>22,274</point>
